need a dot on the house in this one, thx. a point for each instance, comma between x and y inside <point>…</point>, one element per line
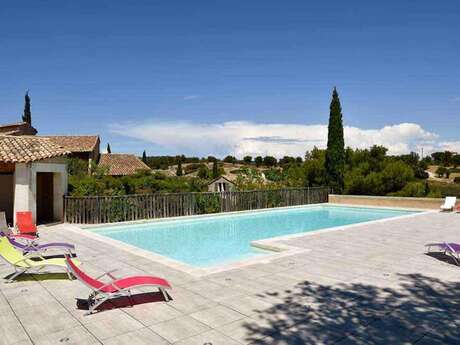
<point>20,128</point>
<point>33,177</point>
<point>119,164</point>
<point>84,147</point>
<point>221,184</point>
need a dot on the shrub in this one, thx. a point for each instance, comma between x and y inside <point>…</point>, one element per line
<point>204,172</point>
<point>457,179</point>
<point>412,189</point>
<point>441,171</point>
<point>230,159</point>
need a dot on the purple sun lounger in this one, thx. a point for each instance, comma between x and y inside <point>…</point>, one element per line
<point>453,249</point>
<point>33,247</point>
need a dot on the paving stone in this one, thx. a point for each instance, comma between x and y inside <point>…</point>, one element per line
<point>71,336</point>
<point>152,313</point>
<point>112,325</point>
<point>142,336</point>
<point>217,316</point>
<point>246,305</point>
<point>211,337</point>
<point>39,321</point>
<point>179,328</point>
<point>11,331</point>
<point>247,330</point>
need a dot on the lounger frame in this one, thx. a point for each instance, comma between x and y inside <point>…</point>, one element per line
<point>98,296</point>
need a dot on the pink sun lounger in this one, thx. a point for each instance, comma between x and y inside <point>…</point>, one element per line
<point>103,291</point>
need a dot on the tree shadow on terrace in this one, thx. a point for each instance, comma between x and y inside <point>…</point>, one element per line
<point>422,310</point>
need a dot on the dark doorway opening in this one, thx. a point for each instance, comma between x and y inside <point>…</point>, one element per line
<point>45,212</point>
<point>7,195</point>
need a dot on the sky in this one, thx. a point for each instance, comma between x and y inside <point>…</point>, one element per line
<point>235,77</point>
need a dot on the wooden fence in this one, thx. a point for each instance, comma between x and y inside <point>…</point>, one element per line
<point>108,209</point>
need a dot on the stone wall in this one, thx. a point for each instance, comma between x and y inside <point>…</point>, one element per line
<point>387,201</point>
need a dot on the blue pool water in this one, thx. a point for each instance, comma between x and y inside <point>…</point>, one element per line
<point>213,240</point>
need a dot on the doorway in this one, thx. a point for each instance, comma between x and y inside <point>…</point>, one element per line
<point>7,196</point>
<point>45,202</point>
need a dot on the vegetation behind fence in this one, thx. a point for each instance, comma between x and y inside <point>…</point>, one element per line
<point>108,209</point>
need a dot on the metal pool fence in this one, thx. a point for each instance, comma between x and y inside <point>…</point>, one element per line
<point>108,209</point>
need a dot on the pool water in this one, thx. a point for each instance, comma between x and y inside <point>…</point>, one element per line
<point>218,239</point>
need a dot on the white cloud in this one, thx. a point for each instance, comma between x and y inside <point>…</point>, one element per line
<point>248,138</point>
<point>453,146</point>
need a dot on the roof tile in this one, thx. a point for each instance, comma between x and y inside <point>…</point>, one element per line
<point>121,164</point>
<point>75,143</point>
<point>25,149</point>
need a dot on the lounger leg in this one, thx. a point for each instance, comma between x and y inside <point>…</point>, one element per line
<point>165,294</point>
<point>96,304</point>
<point>16,274</point>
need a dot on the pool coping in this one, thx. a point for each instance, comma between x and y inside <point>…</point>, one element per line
<point>279,250</point>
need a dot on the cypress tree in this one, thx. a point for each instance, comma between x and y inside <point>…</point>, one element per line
<point>108,148</point>
<point>27,116</point>
<point>215,169</point>
<point>335,153</point>
<point>179,171</point>
<point>144,157</point>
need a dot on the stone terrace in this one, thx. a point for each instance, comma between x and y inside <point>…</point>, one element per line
<point>369,284</point>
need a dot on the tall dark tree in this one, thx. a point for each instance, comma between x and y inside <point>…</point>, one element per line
<point>109,150</point>
<point>335,153</point>
<point>179,171</point>
<point>144,157</point>
<point>27,116</point>
<point>215,169</point>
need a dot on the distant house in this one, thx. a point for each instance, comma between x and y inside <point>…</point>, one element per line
<point>33,177</point>
<point>21,128</point>
<point>221,184</point>
<point>84,147</point>
<point>119,164</point>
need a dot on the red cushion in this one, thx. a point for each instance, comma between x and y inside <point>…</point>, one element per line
<point>136,281</point>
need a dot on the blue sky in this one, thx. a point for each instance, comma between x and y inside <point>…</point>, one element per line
<point>218,77</point>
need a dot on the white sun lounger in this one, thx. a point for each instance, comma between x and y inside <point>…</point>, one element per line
<point>449,203</point>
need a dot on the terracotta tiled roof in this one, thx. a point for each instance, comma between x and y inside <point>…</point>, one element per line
<point>21,128</point>
<point>225,177</point>
<point>75,143</point>
<point>119,164</point>
<point>25,149</point>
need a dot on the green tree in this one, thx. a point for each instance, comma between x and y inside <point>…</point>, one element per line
<point>144,157</point>
<point>441,171</point>
<point>247,159</point>
<point>258,160</point>
<point>203,171</point>
<point>335,153</point>
<point>27,116</point>
<point>230,159</point>
<point>179,171</point>
<point>215,169</point>
<point>270,161</point>
<point>109,150</point>
<point>456,160</point>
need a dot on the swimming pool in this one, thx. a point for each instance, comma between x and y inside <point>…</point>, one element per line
<point>219,239</point>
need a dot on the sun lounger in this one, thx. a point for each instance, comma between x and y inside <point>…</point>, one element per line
<point>30,262</point>
<point>449,203</point>
<point>6,230</point>
<point>103,291</point>
<point>36,247</point>
<point>25,224</point>
<point>453,249</point>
